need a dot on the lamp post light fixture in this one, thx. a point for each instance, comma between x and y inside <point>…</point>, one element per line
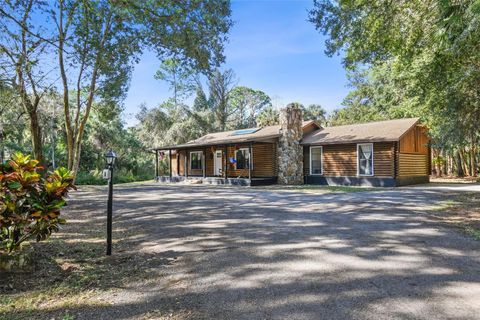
<point>110,158</point>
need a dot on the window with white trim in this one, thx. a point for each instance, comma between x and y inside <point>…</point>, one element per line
<point>316,163</point>
<point>196,160</point>
<point>365,159</point>
<point>242,158</point>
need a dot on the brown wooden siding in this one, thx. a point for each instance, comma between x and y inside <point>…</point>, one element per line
<point>310,128</point>
<point>340,160</point>
<point>383,159</point>
<point>209,160</point>
<point>264,161</point>
<point>412,164</point>
<point>174,165</point>
<point>413,156</point>
<point>415,141</point>
<point>182,162</point>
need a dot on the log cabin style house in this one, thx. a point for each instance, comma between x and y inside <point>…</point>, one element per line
<point>380,154</point>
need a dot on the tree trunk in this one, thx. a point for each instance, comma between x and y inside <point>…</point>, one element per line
<point>438,169</point>
<point>465,162</point>
<point>69,149</point>
<point>473,159</point>
<point>77,154</point>
<point>66,101</point>
<point>36,133</point>
<point>75,129</point>
<point>460,171</point>
<point>444,164</point>
<point>2,142</point>
<point>436,154</point>
<point>450,164</point>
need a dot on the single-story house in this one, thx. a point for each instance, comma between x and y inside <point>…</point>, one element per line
<point>384,153</point>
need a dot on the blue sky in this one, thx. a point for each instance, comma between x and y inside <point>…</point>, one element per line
<point>272,47</point>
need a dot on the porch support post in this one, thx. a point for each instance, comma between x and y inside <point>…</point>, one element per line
<point>250,161</point>
<point>178,162</point>
<point>186,164</point>
<point>156,165</point>
<point>170,164</point>
<point>226,163</point>
<point>204,164</point>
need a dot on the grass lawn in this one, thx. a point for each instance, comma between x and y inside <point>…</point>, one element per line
<point>462,211</point>
<point>72,272</point>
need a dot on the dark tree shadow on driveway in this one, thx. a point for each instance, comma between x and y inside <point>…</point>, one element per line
<point>252,254</point>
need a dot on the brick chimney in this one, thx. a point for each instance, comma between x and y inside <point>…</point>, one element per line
<point>290,152</point>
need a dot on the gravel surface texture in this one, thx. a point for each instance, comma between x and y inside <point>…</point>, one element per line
<point>241,253</point>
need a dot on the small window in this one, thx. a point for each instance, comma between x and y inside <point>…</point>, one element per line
<point>196,160</point>
<point>365,159</point>
<point>242,158</point>
<point>316,166</point>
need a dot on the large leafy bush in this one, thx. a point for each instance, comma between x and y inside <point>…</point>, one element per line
<point>29,203</point>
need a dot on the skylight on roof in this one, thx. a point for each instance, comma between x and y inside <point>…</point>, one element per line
<point>244,131</point>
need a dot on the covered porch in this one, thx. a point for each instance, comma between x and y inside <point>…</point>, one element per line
<point>245,164</point>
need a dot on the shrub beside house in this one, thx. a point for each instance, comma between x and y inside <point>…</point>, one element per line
<point>30,205</point>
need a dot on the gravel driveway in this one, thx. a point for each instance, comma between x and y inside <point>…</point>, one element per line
<point>240,253</point>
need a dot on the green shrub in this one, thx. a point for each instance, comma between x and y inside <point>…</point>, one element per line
<point>94,177</point>
<point>30,204</point>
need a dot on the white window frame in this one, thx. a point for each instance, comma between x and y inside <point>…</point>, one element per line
<point>321,160</point>
<point>358,160</point>
<point>201,159</point>
<point>249,158</point>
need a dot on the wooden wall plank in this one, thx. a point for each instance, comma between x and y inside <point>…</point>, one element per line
<point>341,160</point>
<point>412,164</point>
<point>415,141</point>
<point>174,165</point>
<point>264,161</point>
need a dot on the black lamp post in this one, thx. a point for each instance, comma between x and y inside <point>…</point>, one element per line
<point>110,158</point>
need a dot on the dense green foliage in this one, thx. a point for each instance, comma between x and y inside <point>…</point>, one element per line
<point>226,106</point>
<point>411,58</point>
<point>86,50</point>
<point>30,204</point>
<point>105,130</point>
<point>223,105</point>
<point>403,58</point>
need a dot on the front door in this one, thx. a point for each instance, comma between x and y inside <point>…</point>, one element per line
<point>218,163</point>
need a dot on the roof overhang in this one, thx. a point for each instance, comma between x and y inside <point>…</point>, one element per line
<point>347,142</point>
<point>236,139</point>
<point>412,126</point>
<point>226,142</point>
